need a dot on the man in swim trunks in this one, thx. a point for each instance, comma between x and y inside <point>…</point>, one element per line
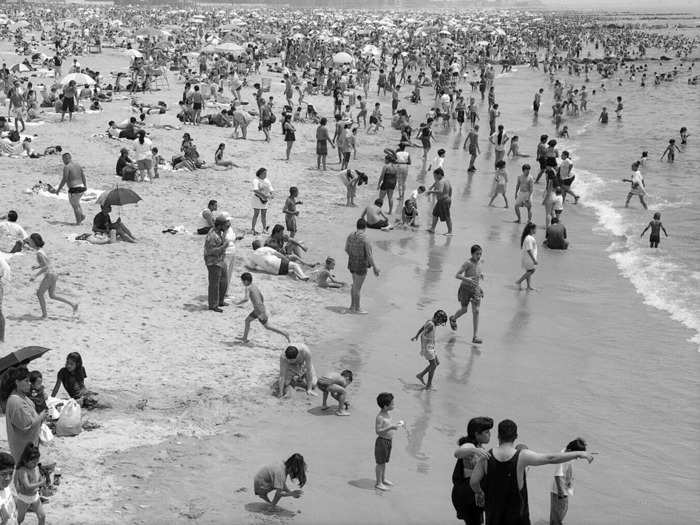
<point>360,258</point>
<point>74,179</point>
<point>523,193</point>
<point>387,182</point>
<point>442,189</point>
<point>375,216</point>
<point>296,368</point>
<point>269,260</point>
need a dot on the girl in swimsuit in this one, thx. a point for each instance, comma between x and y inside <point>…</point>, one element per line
<point>48,284</point>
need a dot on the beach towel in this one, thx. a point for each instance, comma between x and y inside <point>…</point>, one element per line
<point>90,194</point>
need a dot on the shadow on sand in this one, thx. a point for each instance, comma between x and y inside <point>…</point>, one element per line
<point>267,509</point>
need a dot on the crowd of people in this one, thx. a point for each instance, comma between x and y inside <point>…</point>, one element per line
<point>450,66</point>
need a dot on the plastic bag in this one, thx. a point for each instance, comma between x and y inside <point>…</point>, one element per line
<point>45,434</point>
<point>69,423</point>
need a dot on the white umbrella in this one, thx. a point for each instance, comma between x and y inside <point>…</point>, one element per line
<point>369,49</point>
<point>343,58</point>
<point>133,53</point>
<point>80,79</point>
<point>230,48</point>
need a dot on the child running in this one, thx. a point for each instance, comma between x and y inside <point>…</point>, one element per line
<point>427,346</point>
<point>48,284</point>
<point>385,429</point>
<point>656,227</point>
<point>469,291</point>
<point>259,312</point>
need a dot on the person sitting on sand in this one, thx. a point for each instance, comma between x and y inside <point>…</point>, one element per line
<point>72,378</point>
<point>335,384</point>
<point>274,478</point>
<point>375,216</point>
<point>269,260</point>
<point>126,168</point>
<point>287,245</point>
<point>219,158</point>
<point>296,370</point>
<point>205,221</point>
<point>555,236</point>
<point>33,154</point>
<point>12,235</point>
<point>102,225</point>
<point>325,278</point>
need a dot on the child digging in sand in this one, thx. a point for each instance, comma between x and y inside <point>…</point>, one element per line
<point>259,312</point>
<point>274,478</point>
<point>48,284</point>
<point>334,384</point>
<point>427,346</point>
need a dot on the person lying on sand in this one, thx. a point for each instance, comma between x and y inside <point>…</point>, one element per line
<point>269,260</point>
<point>33,154</point>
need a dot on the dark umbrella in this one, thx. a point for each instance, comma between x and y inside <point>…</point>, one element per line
<point>118,197</point>
<point>22,356</point>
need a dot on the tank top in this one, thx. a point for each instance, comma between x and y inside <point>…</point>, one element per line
<point>506,504</point>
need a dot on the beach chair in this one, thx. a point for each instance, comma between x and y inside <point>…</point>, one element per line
<point>266,84</point>
<point>159,78</point>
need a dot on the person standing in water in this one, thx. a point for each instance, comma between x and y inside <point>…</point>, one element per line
<point>427,346</point>
<point>636,186</point>
<point>48,284</point>
<point>528,246</point>
<point>469,453</point>
<point>656,227</point>
<point>670,151</point>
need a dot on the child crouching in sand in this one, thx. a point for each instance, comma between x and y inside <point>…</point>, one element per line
<point>334,384</point>
<point>274,478</point>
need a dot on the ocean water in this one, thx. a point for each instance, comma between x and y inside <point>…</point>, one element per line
<point>607,347</point>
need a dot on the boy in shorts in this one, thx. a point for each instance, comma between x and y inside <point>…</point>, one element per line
<point>385,429</point>
<point>470,291</point>
<point>427,346</point>
<point>290,211</point>
<point>334,384</point>
<point>259,312</point>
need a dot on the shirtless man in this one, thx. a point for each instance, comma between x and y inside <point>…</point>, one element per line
<point>295,363</point>
<point>269,260</point>
<point>74,179</point>
<point>375,217</point>
<point>523,193</point>
<point>442,189</point>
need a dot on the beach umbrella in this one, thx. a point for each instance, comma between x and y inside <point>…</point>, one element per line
<point>22,356</point>
<point>133,53</point>
<point>20,68</point>
<point>268,37</point>
<point>230,48</point>
<point>149,31</point>
<point>343,58</point>
<point>80,79</point>
<point>118,197</point>
<point>19,25</point>
<point>369,49</point>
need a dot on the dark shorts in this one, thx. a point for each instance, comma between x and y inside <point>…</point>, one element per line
<point>442,210</point>
<point>373,120</point>
<point>260,316</point>
<point>78,189</point>
<point>346,156</point>
<point>196,106</point>
<point>358,271</point>
<point>550,161</point>
<point>425,143</point>
<point>379,225</point>
<point>291,223</point>
<point>388,185</point>
<point>469,294</point>
<point>567,182</point>
<point>284,267</point>
<point>69,104</point>
<point>382,450</point>
<point>543,164</point>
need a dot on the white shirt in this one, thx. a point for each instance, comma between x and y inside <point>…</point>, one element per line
<point>143,151</point>
<point>557,202</point>
<point>402,157</point>
<point>202,221</point>
<point>529,244</point>
<point>566,471</point>
<point>10,233</point>
<point>265,186</point>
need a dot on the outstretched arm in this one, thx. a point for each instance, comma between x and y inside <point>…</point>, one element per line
<point>534,459</point>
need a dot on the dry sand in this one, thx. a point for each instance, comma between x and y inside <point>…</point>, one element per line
<point>145,334</point>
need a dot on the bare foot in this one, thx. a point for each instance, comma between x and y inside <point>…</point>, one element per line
<point>242,339</point>
<point>342,413</point>
<point>324,407</point>
<point>387,482</point>
<point>381,486</point>
<point>530,289</point>
<point>75,309</point>
<point>420,378</point>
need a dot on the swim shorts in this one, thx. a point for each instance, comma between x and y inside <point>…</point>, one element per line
<point>523,199</point>
<point>259,315</point>
<point>469,293</point>
<point>284,267</point>
<point>382,450</point>
<point>68,104</point>
<point>442,210</point>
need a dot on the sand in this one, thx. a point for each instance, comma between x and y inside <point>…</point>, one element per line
<point>192,417</point>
